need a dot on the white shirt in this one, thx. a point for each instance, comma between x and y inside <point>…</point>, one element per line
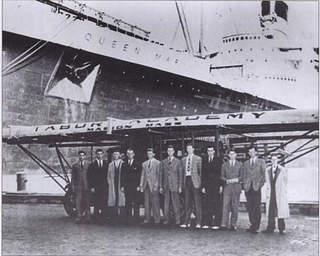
<point>130,161</point>
<point>274,168</point>
<point>100,163</point>
<point>117,163</point>
<point>232,163</point>
<point>188,173</point>
<point>253,160</point>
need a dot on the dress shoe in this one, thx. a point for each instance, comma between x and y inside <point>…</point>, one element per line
<point>77,221</point>
<point>268,231</point>
<point>198,226</point>
<point>205,227</point>
<point>146,224</point>
<point>254,231</point>
<point>282,232</point>
<point>248,229</point>
<point>233,228</point>
<point>156,225</point>
<point>222,228</point>
<point>185,226</point>
<point>215,227</point>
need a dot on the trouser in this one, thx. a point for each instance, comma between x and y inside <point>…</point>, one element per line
<point>192,196</point>
<point>82,203</point>
<point>171,198</point>
<point>132,203</point>
<point>230,203</point>
<point>254,207</point>
<point>117,214</point>
<point>99,202</point>
<point>151,200</point>
<point>273,212</point>
<point>211,205</point>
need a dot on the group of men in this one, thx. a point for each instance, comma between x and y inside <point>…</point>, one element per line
<point>207,185</point>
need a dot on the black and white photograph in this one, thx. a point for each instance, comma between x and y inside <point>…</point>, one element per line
<point>160,128</point>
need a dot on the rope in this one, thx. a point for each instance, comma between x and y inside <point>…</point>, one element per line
<point>8,68</point>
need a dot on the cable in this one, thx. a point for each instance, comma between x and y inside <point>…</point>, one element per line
<point>8,68</point>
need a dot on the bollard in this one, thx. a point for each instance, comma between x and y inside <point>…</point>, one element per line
<point>21,181</point>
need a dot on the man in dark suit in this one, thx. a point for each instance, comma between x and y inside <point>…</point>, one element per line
<point>79,185</point>
<point>171,185</point>
<point>191,169</point>
<point>211,189</point>
<point>253,180</point>
<point>97,179</point>
<point>130,184</point>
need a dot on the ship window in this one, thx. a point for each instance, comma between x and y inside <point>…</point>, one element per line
<point>285,78</point>
<point>240,50</point>
<point>254,37</point>
<point>250,37</point>
<point>246,38</point>
<point>274,78</point>
<point>266,60</point>
<point>251,60</point>
<point>250,49</point>
<point>262,49</point>
<point>235,50</point>
<point>232,39</point>
<point>228,51</point>
<point>258,37</point>
<point>277,78</point>
<point>237,38</point>
<point>242,38</point>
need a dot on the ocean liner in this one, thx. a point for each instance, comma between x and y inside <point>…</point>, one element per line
<point>64,61</point>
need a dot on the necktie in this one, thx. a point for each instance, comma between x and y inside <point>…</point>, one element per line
<point>252,161</point>
<point>210,160</point>
<point>170,160</point>
<point>130,162</point>
<point>82,164</point>
<point>149,165</point>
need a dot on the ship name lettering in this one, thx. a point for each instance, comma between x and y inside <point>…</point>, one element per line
<point>235,116</point>
<point>125,47</point>
<point>114,44</point>
<point>176,61</point>
<point>101,40</point>
<point>80,126</point>
<point>158,56</point>
<point>88,37</point>
<point>137,50</point>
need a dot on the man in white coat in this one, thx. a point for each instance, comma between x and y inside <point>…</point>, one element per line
<point>276,196</point>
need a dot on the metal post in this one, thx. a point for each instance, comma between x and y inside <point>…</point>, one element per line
<point>216,140</point>
<point>91,154</point>
<point>182,144</point>
<point>160,146</point>
<point>192,138</point>
<point>63,169</point>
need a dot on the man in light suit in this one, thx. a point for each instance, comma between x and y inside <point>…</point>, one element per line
<point>231,175</point>
<point>191,169</point>
<point>253,180</point>
<point>276,196</point>
<point>171,185</point>
<point>98,184</point>
<point>79,185</point>
<point>211,190</point>
<point>116,197</point>
<point>149,184</point>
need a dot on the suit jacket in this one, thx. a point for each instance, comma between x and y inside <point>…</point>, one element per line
<point>232,172</point>
<point>255,174</point>
<point>171,175</point>
<point>210,175</point>
<point>130,176</point>
<point>97,177</point>
<point>79,175</point>
<point>112,187</point>
<point>196,163</point>
<point>150,175</point>
<point>281,191</point>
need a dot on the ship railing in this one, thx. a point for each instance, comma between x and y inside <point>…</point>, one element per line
<point>86,12</point>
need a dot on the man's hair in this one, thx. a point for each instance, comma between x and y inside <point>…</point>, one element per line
<point>170,146</point>
<point>190,144</point>
<point>231,149</point>
<point>116,151</point>
<point>130,149</point>
<point>81,152</point>
<point>211,146</point>
<point>252,147</point>
<point>99,150</point>
<point>150,150</point>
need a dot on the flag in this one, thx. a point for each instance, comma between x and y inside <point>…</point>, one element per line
<point>73,77</point>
